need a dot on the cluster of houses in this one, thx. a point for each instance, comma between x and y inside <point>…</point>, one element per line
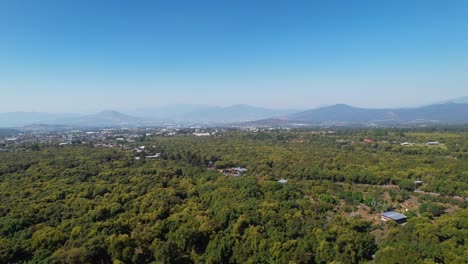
<point>99,137</point>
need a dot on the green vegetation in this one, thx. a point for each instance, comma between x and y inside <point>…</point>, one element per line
<point>440,241</point>
<point>79,204</point>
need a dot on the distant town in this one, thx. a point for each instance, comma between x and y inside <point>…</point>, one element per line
<point>128,138</point>
<point>102,137</point>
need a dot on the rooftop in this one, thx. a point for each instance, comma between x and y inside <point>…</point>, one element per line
<point>394,215</point>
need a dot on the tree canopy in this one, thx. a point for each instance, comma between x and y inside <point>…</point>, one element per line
<point>84,204</point>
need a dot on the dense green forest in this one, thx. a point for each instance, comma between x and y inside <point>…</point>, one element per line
<point>85,204</point>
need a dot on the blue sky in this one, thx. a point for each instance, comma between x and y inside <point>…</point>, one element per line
<point>75,56</point>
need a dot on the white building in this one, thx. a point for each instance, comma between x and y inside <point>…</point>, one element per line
<point>157,155</point>
<point>201,134</point>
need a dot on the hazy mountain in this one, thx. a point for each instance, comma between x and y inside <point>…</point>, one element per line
<point>210,114</point>
<point>336,114</point>
<point>234,113</point>
<point>341,113</point>
<point>103,118</point>
<point>442,113</point>
<point>459,100</point>
<point>4,132</point>
<point>16,119</point>
<point>178,113</point>
<point>181,113</point>
<point>169,112</point>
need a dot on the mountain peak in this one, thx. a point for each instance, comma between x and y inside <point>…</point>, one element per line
<point>341,106</point>
<point>109,112</point>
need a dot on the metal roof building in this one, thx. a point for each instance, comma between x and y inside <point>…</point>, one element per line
<point>394,216</point>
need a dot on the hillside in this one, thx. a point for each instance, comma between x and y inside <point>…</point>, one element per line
<point>5,132</point>
<point>104,118</point>
<point>16,119</point>
<point>210,114</point>
<point>441,113</point>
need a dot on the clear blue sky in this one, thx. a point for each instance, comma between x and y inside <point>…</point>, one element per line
<point>73,56</point>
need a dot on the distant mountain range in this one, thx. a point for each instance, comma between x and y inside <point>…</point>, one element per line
<point>6,132</point>
<point>342,114</point>
<point>233,113</point>
<point>339,114</point>
<point>103,118</point>
<point>16,119</point>
<point>210,114</point>
<point>149,117</point>
<point>459,100</point>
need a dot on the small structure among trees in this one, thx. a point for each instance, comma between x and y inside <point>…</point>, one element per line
<point>235,172</point>
<point>394,216</point>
